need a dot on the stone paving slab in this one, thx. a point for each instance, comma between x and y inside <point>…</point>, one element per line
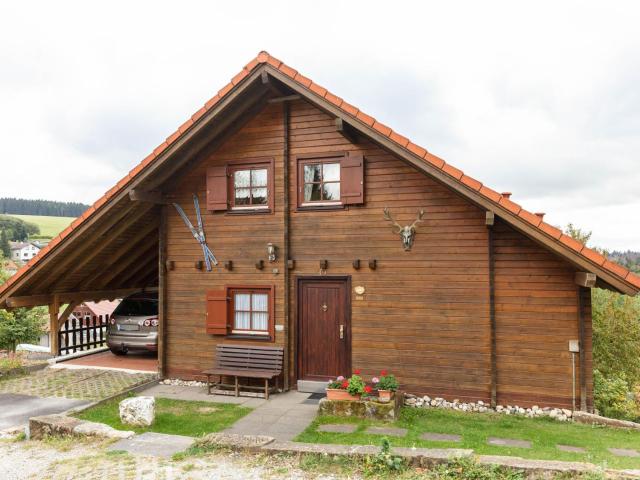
<point>391,431</point>
<point>624,452</point>
<point>509,442</point>
<point>441,437</point>
<point>155,444</point>
<point>16,409</point>
<point>338,428</point>
<point>536,465</point>
<point>84,384</point>
<point>571,449</point>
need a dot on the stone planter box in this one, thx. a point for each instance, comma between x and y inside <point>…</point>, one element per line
<point>338,394</point>
<point>362,409</point>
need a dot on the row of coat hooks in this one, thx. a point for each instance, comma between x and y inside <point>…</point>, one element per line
<point>291,264</point>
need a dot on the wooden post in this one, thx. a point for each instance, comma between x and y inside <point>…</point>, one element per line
<point>162,293</point>
<point>582,291</point>
<point>285,253</point>
<point>492,316</point>
<point>54,343</point>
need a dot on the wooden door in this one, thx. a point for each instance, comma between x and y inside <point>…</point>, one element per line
<point>324,328</point>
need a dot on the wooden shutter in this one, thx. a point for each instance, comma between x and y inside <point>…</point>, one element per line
<point>352,180</point>
<point>217,189</point>
<point>217,317</point>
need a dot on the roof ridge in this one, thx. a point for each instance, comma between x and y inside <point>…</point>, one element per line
<point>265,57</point>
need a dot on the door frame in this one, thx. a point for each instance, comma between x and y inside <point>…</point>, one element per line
<point>300,279</point>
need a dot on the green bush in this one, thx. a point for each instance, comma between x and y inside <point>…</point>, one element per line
<point>613,397</point>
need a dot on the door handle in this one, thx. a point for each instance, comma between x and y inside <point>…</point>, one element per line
<point>341,332</point>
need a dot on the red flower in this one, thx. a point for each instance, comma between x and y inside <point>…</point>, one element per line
<point>368,389</point>
<point>383,373</point>
<point>345,384</point>
<point>357,372</point>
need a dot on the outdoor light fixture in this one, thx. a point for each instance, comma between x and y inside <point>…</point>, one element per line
<point>272,252</point>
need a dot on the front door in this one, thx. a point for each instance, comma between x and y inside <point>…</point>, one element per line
<point>324,329</point>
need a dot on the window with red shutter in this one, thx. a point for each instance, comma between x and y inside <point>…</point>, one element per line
<point>352,181</point>
<point>217,312</point>
<point>217,197</point>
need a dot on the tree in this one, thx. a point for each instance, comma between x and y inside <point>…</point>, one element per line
<point>20,326</point>
<point>4,244</point>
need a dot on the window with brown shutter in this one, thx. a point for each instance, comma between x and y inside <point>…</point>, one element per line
<point>330,181</point>
<point>242,311</point>
<point>241,186</point>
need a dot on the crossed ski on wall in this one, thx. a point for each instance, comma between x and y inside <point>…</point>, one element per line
<point>198,233</point>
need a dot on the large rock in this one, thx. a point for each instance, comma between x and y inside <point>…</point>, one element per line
<point>62,426</point>
<point>138,411</point>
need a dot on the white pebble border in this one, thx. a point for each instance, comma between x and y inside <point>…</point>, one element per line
<point>560,414</point>
<point>182,383</point>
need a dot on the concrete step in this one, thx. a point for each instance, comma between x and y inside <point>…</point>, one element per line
<point>309,386</point>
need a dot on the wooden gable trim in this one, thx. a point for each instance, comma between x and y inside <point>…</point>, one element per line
<point>457,186</point>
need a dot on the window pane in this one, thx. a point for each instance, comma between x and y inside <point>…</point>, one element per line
<point>260,321</point>
<point>242,321</point>
<point>331,172</point>
<point>259,196</point>
<point>312,192</point>
<point>243,196</point>
<point>242,301</point>
<point>241,178</point>
<point>260,302</point>
<point>331,191</point>
<point>259,177</point>
<point>312,173</point>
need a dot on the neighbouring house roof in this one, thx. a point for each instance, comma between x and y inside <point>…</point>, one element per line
<point>106,307</point>
<point>611,274</point>
<point>21,245</point>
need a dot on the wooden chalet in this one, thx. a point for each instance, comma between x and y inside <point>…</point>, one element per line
<point>478,301</point>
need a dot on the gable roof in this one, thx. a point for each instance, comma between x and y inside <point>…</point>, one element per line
<point>610,273</point>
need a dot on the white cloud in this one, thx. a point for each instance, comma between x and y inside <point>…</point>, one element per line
<point>539,99</point>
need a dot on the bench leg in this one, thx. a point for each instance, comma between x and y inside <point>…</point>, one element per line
<point>266,388</point>
<point>237,387</point>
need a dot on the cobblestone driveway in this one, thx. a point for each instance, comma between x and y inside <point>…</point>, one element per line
<point>89,384</point>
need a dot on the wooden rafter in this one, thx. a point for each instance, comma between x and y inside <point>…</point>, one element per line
<point>66,297</point>
<point>346,130</point>
<point>122,270</point>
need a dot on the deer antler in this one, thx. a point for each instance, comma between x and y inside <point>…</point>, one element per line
<point>387,216</point>
<point>418,220</point>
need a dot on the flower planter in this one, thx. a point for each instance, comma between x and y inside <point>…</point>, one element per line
<point>385,396</point>
<point>337,394</point>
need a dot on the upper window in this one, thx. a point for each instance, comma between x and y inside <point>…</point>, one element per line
<point>250,311</point>
<point>321,182</point>
<point>250,187</point>
<point>333,180</point>
<point>241,186</point>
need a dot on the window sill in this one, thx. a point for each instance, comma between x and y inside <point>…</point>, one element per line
<point>258,338</point>
<point>311,207</point>
<point>249,211</point>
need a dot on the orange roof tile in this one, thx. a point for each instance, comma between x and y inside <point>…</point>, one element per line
<point>265,58</point>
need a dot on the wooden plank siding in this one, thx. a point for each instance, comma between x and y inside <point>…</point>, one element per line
<point>425,313</point>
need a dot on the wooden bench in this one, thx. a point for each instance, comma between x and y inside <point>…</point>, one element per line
<point>247,362</point>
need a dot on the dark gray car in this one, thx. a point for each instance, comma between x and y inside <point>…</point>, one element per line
<point>134,324</point>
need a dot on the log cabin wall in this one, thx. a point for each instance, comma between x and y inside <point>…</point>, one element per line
<point>425,313</point>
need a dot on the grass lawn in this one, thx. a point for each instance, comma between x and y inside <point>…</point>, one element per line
<point>49,226</point>
<point>475,428</point>
<point>177,417</point>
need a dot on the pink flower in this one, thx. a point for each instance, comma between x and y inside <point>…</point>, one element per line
<point>340,378</point>
<point>375,380</point>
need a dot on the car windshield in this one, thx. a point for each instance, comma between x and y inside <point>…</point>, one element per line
<point>137,307</point>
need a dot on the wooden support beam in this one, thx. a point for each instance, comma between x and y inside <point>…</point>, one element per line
<point>493,366</point>
<point>152,196</point>
<point>67,311</point>
<point>582,293</point>
<point>490,218</point>
<point>54,308</point>
<point>286,98</point>
<point>66,297</point>
<point>585,279</point>
<point>162,294</point>
<point>346,130</point>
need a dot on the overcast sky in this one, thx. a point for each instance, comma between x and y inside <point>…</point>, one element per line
<point>538,98</point>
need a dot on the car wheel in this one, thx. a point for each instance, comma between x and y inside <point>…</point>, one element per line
<point>118,351</point>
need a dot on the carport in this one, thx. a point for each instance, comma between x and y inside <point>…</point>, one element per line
<point>117,246</point>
